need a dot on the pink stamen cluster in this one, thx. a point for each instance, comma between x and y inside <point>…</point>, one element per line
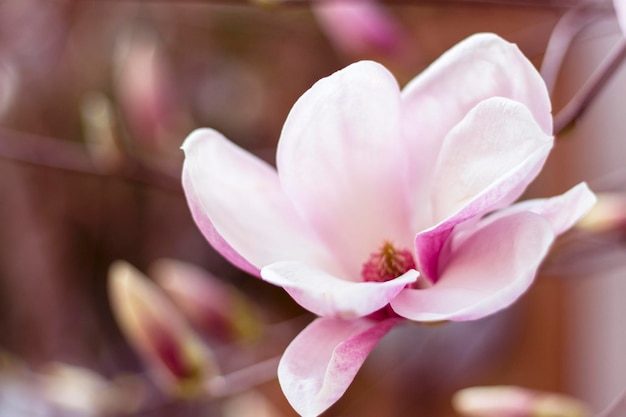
<point>387,263</point>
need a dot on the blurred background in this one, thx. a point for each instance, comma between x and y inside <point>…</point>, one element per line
<point>96,98</point>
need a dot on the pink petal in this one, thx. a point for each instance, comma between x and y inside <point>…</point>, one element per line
<point>486,162</point>
<point>341,161</point>
<point>321,362</point>
<point>487,272</point>
<point>328,296</point>
<point>238,204</point>
<point>480,67</point>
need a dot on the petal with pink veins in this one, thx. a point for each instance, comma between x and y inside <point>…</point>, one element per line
<point>342,163</point>
<point>487,272</point>
<point>329,296</point>
<point>321,362</point>
<point>486,162</point>
<point>238,204</point>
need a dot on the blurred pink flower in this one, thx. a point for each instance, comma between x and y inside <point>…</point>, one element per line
<point>378,210</point>
<point>512,401</point>
<point>358,26</point>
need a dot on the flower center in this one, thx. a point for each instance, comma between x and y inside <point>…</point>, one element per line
<point>387,263</point>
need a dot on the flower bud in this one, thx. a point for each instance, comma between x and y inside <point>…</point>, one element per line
<point>180,363</point>
<point>511,401</point>
<point>213,306</point>
<point>359,27</point>
<point>609,213</point>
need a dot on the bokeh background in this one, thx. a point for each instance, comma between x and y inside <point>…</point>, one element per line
<point>96,98</point>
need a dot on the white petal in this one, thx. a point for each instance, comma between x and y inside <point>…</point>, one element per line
<point>487,272</point>
<point>343,164</point>
<point>329,296</point>
<point>238,204</point>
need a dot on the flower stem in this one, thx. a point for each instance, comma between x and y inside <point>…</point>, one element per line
<point>585,96</point>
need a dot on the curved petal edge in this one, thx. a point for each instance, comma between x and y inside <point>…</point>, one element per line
<point>329,296</point>
<point>321,362</point>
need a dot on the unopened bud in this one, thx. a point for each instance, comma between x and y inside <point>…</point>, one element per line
<point>510,401</point>
<point>216,308</point>
<point>179,361</point>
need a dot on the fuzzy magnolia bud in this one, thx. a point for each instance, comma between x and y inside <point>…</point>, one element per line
<point>179,361</point>
<point>510,401</point>
<point>216,308</point>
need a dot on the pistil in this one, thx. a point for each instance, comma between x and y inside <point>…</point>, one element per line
<point>387,263</point>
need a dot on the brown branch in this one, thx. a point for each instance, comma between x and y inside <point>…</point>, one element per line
<point>74,157</point>
<point>575,108</point>
<point>567,28</point>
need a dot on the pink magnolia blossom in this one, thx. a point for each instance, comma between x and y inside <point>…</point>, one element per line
<point>388,205</point>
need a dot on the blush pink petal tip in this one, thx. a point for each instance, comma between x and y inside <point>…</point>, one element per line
<point>485,273</point>
<point>562,211</point>
<point>321,362</point>
<point>329,296</point>
<point>238,204</point>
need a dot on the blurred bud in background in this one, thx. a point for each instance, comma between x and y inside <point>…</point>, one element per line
<point>59,389</point>
<point>511,401</point>
<point>609,214</point>
<point>99,123</point>
<point>88,393</point>
<point>180,363</point>
<point>9,80</point>
<point>360,27</point>
<point>32,32</point>
<point>145,89</point>
<point>216,308</point>
<point>250,403</point>
<point>596,244</point>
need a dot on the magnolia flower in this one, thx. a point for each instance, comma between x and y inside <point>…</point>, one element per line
<point>388,205</point>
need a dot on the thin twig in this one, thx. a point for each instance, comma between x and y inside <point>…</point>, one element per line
<point>74,157</point>
<point>570,25</point>
<point>585,96</point>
